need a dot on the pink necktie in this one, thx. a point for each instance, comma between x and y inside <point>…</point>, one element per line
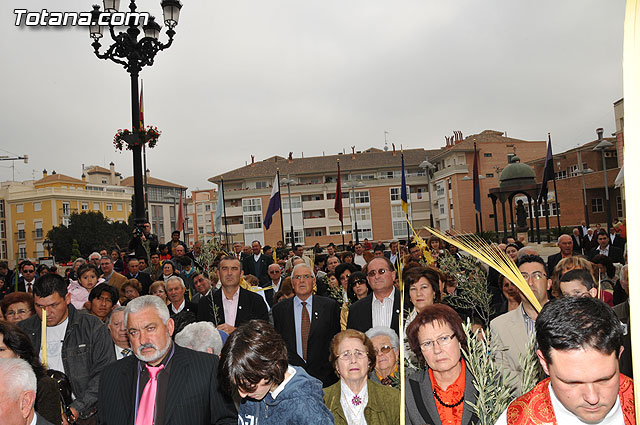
<point>148,399</point>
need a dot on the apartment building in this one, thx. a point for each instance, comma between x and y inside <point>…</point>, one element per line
<point>29,209</point>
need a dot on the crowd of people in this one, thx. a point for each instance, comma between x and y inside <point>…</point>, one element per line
<point>261,335</point>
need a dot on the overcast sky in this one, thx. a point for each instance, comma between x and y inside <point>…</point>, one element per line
<point>266,77</point>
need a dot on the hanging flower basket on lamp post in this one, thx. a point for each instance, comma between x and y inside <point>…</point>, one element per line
<point>128,139</point>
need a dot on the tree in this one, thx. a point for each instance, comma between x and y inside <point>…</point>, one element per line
<point>91,231</point>
<point>75,251</point>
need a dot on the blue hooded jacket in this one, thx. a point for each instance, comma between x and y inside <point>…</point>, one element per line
<point>299,403</point>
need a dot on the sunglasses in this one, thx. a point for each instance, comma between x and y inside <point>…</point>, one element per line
<point>372,273</point>
<point>359,282</point>
<point>384,349</point>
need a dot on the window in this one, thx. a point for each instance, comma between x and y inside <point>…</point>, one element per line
<point>397,213</point>
<point>510,157</point>
<point>3,249</point>
<point>400,229</point>
<point>251,205</point>
<point>37,206</point>
<point>22,252</point>
<point>96,206</point>
<point>21,231</point>
<point>3,231</point>
<point>318,232</point>
<point>298,236</point>
<point>157,220</point>
<point>2,210</point>
<point>65,221</point>
<point>104,181</point>
<point>253,221</point>
<point>66,209</point>
<point>439,190</point>
<point>109,207</point>
<point>19,208</point>
<point>207,207</point>
<point>296,202</point>
<point>262,185</point>
<point>200,229</point>
<point>596,205</point>
<point>119,207</point>
<point>488,155</point>
<point>561,174</point>
<point>199,207</point>
<point>489,175</point>
<point>619,209</point>
<point>361,197</point>
<point>85,206</point>
<point>38,233</point>
<point>362,214</point>
<point>449,184</point>
<point>364,233</point>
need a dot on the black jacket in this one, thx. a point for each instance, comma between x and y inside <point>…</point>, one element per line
<point>86,350</point>
<point>615,254</point>
<point>360,317</point>
<point>248,266</point>
<point>250,306</point>
<point>325,323</point>
<point>193,396</point>
<point>137,246</point>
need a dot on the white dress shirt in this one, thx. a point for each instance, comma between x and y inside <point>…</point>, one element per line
<point>382,311</point>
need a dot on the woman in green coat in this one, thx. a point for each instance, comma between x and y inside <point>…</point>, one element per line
<point>355,399</point>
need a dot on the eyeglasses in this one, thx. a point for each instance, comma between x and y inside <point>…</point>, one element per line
<point>359,282</point>
<point>384,349</point>
<point>20,312</point>
<point>274,271</point>
<point>442,341</point>
<point>346,355</point>
<point>537,276</point>
<point>302,276</point>
<point>372,273</point>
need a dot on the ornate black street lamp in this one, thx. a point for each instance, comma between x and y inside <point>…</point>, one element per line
<point>134,54</point>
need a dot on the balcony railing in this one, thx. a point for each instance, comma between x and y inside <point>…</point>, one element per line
<point>38,234</point>
<point>21,235</point>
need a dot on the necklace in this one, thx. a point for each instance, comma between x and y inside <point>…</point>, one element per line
<point>356,400</point>
<point>435,394</point>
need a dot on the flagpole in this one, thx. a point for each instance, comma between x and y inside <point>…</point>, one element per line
<point>339,189</point>
<point>224,212</point>
<point>284,242</point>
<point>555,189</point>
<point>144,155</point>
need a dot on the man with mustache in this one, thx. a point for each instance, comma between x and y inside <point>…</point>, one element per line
<point>162,383</point>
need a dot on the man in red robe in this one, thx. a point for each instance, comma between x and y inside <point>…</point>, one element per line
<point>579,343</point>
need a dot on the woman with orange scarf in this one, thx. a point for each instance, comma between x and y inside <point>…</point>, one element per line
<point>444,389</point>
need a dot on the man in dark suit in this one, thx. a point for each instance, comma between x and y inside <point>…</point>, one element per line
<point>615,239</point>
<point>232,305</point>
<point>307,324</point>
<point>589,241</point>
<point>237,251</point>
<point>257,264</point>
<point>135,273</point>
<point>565,243</point>
<point>577,242</point>
<point>186,390</point>
<point>614,253</point>
<point>28,278</point>
<point>382,306</point>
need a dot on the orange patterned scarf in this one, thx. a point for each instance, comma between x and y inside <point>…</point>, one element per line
<point>535,408</point>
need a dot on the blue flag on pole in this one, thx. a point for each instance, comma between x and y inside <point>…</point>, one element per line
<point>217,222</point>
<point>403,191</point>
<point>274,203</point>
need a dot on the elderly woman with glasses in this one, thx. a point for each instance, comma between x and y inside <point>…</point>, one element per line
<point>387,347</point>
<point>355,399</point>
<point>441,393</point>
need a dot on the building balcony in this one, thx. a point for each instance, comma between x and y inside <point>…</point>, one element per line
<point>21,235</point>
<point>451,170</point>
<point>38,234</point>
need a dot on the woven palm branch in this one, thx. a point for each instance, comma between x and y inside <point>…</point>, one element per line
<point>495,258</point>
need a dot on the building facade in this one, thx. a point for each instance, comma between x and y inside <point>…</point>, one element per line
<point>201,210</point>
<point>452,195</point>
<point>371,189</point>
<point>28,210</point>
<point>163,199</point>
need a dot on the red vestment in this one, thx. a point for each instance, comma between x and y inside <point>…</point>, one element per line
<point>535,408</point>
